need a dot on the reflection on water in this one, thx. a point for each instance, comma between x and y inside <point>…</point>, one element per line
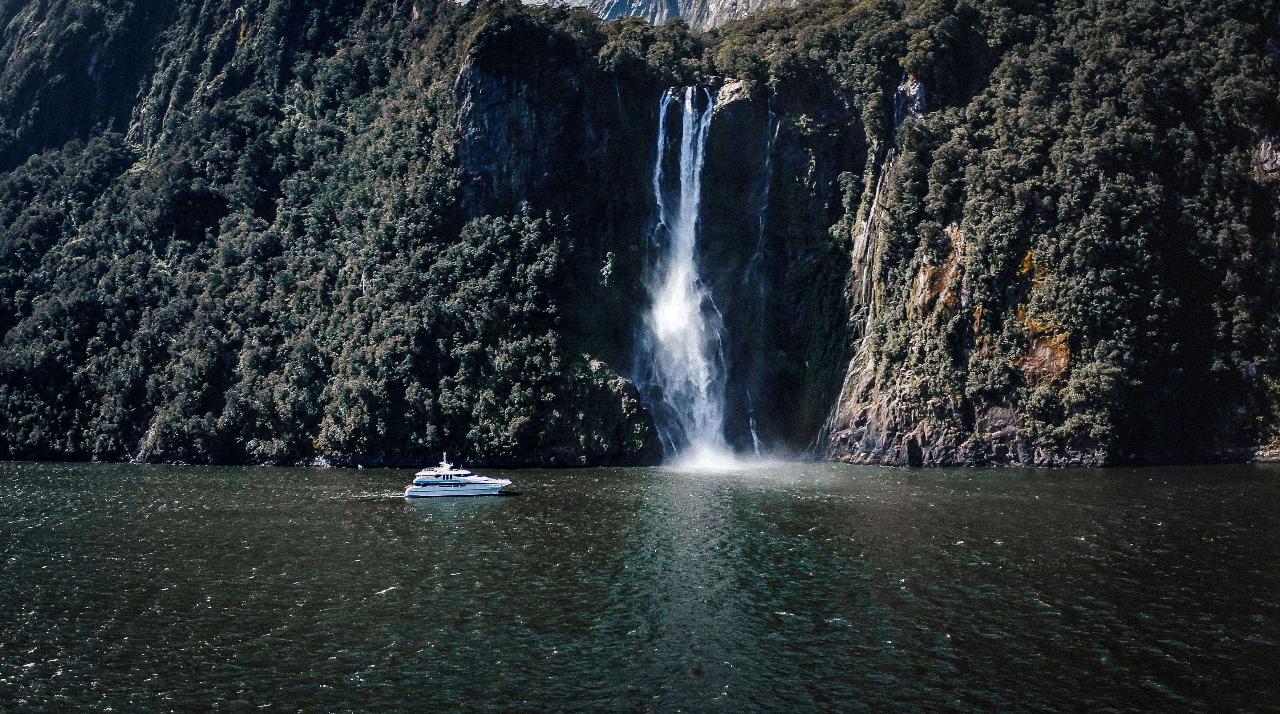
<point>807,585</point>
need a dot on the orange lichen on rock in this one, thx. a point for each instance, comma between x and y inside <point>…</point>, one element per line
<point>1049,355</point>
<point>244,25</point>
<point>938,284</point>
<point>1037,327</point>
<point>1028,264</point>
<point>1048,358</point>
<point>1031,268</point>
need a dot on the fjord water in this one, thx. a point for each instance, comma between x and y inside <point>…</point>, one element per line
<point>789,585</point>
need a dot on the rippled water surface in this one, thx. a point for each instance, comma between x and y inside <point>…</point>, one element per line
<point>793,586</point>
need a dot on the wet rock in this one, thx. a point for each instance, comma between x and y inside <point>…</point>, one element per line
<point>909,101</point>
<point>1269,156</point>
<point>701,14</point>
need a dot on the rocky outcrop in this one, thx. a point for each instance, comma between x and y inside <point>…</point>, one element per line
<point>701,14</point>
<point>939,285</point>
<point>1269,157</point>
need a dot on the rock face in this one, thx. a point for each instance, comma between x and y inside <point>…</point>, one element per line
<point>701,14</point>
<point>775,162</point>
<point>1269,156</point>
<point>538,127</point>
<point>878,417</point>
<point>55,56</point>
<point>987,327</point>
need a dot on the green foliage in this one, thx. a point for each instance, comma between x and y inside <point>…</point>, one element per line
<point>1103,183</point>
<point>285,272</point>
<point>248,236</point>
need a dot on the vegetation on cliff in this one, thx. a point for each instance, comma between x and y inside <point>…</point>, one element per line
<point>1078,257</point>
<point>286,272</point>
<point>277,231</point>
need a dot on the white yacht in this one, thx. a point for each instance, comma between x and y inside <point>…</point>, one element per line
<point>445,480</point>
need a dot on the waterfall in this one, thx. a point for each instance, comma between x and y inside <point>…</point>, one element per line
<point>908,102</point>
<point>680,347</point>
<point>756,445</point>
<point>754,275</point>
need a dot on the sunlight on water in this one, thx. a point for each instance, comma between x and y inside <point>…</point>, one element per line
<point>735,585</point>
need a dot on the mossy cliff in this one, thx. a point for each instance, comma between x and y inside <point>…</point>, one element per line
<point>939,232</point>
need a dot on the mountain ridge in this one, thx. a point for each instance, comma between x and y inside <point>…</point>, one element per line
<point>699,14</point>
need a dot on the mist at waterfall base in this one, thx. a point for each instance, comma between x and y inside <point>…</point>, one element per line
<point>681,361</point>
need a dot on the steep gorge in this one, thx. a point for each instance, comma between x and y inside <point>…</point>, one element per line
<point>933,233</point>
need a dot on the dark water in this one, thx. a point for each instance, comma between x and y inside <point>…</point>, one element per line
<point>799,586</point>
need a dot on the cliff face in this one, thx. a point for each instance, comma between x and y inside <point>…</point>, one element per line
<point>700,14</point>
<point>68,69</point>
<point>1036,277</point>
<point>773,191</point>
<point>541,125</point>
<point>329,235</point>
<point>936,233</point>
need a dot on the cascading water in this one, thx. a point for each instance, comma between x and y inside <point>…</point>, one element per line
<point>754,276</point>
<point>681,345</point>
<point>908,101</point>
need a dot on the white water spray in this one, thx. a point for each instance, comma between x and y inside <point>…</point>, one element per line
<point>681,344</point>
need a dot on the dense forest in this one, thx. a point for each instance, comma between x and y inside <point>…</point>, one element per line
<point>286,231</point>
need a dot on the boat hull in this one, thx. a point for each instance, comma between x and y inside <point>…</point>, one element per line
<point>434,491</point>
